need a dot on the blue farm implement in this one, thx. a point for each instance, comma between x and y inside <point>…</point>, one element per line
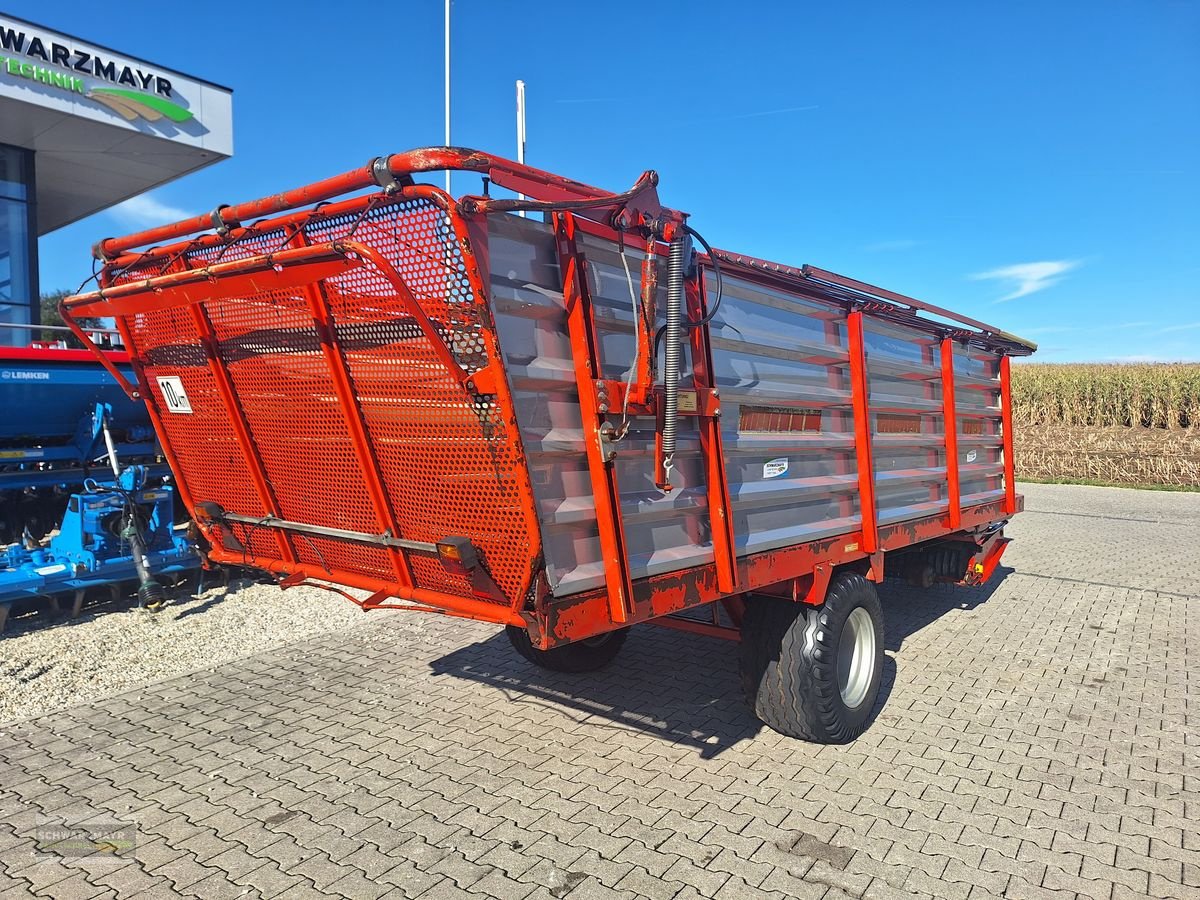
<point>51,435</point>
<point>114,531</point>
<point>65,424</point>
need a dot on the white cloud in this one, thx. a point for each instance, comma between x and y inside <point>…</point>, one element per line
<point>145,211</point>
<point>1029,278</point>
<point>1171,328</point>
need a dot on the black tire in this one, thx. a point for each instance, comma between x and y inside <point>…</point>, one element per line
<point>790,661</point>
<point>582,656</point>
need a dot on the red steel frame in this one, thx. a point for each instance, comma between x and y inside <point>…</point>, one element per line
<point>585,352</point>
<point>801,571</point>
<point>860,393</point>
<point>950,424</point>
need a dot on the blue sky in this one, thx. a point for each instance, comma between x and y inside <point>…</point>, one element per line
<point>1032,164</point>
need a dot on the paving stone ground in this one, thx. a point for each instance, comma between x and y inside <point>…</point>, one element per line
<point>1040,738</point>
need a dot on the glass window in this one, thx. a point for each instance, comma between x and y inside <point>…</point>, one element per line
<point>14,173</point>
<point>18,280</point>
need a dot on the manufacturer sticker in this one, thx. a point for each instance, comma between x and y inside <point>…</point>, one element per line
<point>688,402</point>
<point>174,395</point>
<point>972,455</point>
<point>773,468</point>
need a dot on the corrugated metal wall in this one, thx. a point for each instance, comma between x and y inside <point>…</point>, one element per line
<point>664,532</point>
<point>904,373</point>
<point>980,425</point>
<point>782,367</point>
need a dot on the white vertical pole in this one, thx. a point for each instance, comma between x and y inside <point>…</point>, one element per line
<point>447,88</point>
<point>521,128</point>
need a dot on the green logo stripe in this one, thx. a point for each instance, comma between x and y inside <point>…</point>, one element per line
<point>172,111</point>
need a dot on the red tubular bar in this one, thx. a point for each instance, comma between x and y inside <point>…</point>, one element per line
<point>130,390</point>
<point>913,304</point>
<point>860,398</point>
<point>473,609</point>
<point>377,173</point>
<point>1010,468</point>
<point>950,424</point>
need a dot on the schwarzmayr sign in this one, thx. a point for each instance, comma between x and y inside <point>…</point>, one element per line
<point>54,64</point>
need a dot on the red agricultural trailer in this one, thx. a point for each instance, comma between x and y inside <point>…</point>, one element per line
<point>568,422</point>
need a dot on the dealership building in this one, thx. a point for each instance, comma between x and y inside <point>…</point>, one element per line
<point>83,127</point>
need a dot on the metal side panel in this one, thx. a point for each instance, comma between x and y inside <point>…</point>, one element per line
<point>782,366</point>
<point>904,375</point>
<point>980,437</point>
<point>664,532</point>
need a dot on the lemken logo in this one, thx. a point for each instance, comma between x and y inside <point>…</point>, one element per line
<point>148,100</point>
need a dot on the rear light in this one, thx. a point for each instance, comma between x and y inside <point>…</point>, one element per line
<point>457,553</point>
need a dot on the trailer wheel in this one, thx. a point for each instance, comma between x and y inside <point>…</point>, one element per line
<point>813,672</point>
<point>587,655</point>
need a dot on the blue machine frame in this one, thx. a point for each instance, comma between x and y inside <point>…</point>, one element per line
<point>64,419</point>
<point>92,548</point>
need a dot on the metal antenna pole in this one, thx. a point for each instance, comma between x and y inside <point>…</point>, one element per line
<point>521,129</point>
<point>447,88</point>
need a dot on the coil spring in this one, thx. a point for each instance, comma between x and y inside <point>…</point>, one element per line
<point>676,260</point>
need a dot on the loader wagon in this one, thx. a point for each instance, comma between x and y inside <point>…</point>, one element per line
<point>557,409</point>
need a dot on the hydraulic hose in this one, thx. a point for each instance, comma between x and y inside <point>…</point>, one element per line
<point>676,262</point>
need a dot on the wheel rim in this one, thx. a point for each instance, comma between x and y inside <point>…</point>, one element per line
<point>856,657</point>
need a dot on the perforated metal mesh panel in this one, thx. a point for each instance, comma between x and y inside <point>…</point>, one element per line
<point>448,460</point>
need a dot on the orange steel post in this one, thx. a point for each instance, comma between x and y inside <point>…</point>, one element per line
<point>607,496</point>
<point>339,375</point>
<point>1010,468</point>
<point>720,518</point>
<point>950,423</point>
<point>859,395</point>
<point>645,325</point>
<point>241,429</point>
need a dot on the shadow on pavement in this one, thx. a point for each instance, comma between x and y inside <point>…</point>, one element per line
<point>681,687</point>
<point>908,609</point>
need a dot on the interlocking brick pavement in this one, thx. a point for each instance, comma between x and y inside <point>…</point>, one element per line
<point>1039,739</point>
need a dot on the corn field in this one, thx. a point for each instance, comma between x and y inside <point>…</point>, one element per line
<point>1152,395</point>
<point>1119,424</point>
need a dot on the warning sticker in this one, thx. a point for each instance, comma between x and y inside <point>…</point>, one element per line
<point>972,455</point>
<point>773,468</point>
<point>174,394</point>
